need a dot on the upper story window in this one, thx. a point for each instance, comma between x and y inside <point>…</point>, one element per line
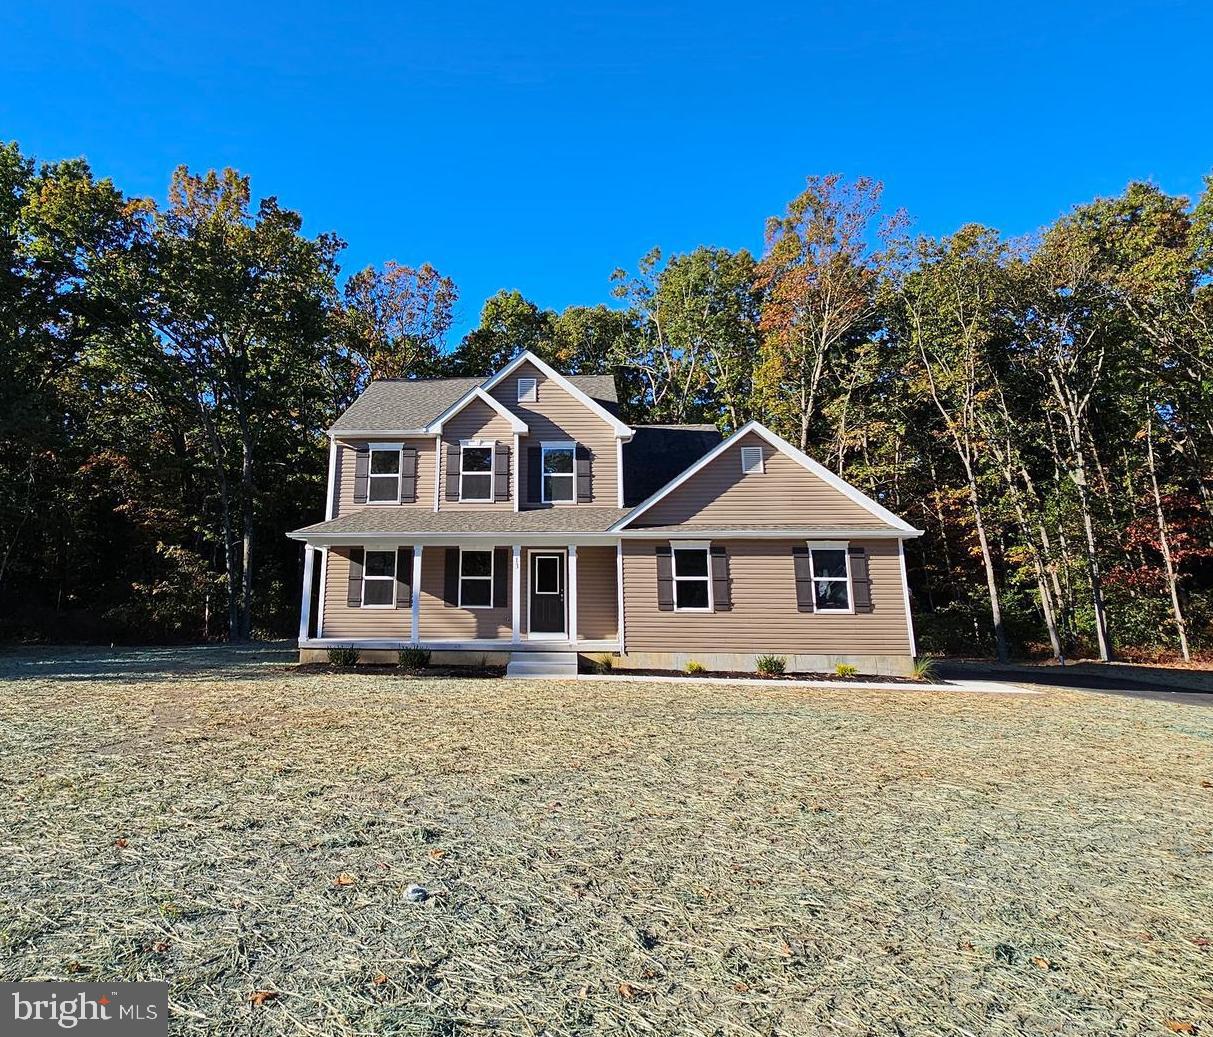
<point>830,569</point>
<point>379,580</point>
<point>751,460</point>
<point>528,391</point>
<point>559,473</point>
<point>692,583</point>
<point>476,471</point>
<point>383,486</point>
<point>475,579</point>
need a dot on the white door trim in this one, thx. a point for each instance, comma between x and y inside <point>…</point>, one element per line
<point>530,589</point>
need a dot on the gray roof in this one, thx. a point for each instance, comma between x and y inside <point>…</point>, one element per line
<point>659,453</point>
<point>398,405</point>
<point>875,526</point>
<point>404,520</point>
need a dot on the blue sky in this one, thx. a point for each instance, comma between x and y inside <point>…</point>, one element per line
<point>539,147</point>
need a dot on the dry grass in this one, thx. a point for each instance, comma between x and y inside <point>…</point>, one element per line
<point>627,859</point>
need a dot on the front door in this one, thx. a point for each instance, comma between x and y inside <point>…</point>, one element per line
<point>547,595</point>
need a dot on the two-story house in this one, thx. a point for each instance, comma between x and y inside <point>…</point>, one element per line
<point>518,519</point>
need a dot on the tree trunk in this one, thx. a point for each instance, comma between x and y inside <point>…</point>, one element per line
<point>1000,635</point>
<point>1165,543</point>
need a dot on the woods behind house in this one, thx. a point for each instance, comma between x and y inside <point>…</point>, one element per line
<point>1041,407</point>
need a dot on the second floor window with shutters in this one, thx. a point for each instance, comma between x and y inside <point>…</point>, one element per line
<point>476,472</point>
<point>558,473</point>
<point>692,582</point>
<point>383,486</point>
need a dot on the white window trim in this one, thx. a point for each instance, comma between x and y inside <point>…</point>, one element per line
<point>491,446</point>
<point>398,448</point>
<point>531,394</point>
<point>367,549</point>
<point>831,545</point>
<point>762,461</point>
<point>692,545</point>
<point>492,563</point>
<point>543,452</point>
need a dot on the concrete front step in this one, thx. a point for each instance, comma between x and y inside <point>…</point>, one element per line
<point>542,664</point>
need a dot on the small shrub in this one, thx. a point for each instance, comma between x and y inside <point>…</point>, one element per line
<point>694,666</point>
<point>413,658</point>
<point>845,670</point>
<point>772,665</point>
<point>347,656</point>
<point>599,664</point>
<point>925,669</point>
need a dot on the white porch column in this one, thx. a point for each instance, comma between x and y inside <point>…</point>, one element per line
<point>305,608</point>
<point>415,635</point>
<point>516,581</point>
<point>572,592</point>
<point>619,590</point>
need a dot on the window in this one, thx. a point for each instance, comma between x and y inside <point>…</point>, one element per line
<point>527,391</point>
<point>547,574</point>
<point>751,460</point>
<point>831,574</point>
<point>384,483</point>
<point>558,472</point>
<point>476,471</point>
<point>379,579</point>
<point>475,579</point>
<point>692,582</point>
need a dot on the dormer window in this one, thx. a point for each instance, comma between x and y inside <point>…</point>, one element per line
<point>751,460</point>
<point>527,390</point>
<point>476,471</point>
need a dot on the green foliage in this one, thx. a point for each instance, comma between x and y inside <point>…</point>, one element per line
<point>344,656</point>
<point>693,667</point>
<point>845,670</point>
<point>601,664</point>
<point>413,658</point>
<point>925,668</point>
<point>771,665</point>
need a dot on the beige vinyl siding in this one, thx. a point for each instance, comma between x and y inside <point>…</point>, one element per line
<point>764,617</point>
<point>557,416</point>
<point>342,621</point>
<point>476,421</point>
<point>597,594</point>
<point>785,492</point>
<point>440,623</point>
<point>344,482</point>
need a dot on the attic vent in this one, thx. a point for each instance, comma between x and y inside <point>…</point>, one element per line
<point>526,390</point>
<point>751,460</point>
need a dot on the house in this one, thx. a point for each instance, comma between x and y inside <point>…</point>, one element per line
<point>517,518</point>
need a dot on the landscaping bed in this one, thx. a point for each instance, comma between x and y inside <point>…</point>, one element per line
<point>751,675</point>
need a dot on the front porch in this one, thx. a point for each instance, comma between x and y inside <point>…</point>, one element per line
<point>461,597</point>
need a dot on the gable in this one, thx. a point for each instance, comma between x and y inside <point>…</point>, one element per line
<point>477,420</point>
<point>786,493</point>
<point>554,406</point>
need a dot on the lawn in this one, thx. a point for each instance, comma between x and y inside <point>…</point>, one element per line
<point>605,858</point>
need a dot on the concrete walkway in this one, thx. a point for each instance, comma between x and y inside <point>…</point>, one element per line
<point>1133,682</point>
<point>979,687</point>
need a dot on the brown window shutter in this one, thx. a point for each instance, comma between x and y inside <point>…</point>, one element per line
<point>501,466</point>
<point>362,472</point>
<point>722,600</point>
<point>585,492</point>
<point>665,578</point>
<point>408,474</point>
<point>804,578</point>
<point>861,580</point>
<point>452,471</point>
<point>534,475</point>
<point>501,577</point>
<point>404,577</point>
<point>353,595</point>
<point>450,582</point>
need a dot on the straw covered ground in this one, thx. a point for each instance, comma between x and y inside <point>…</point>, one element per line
<point>613,858</point>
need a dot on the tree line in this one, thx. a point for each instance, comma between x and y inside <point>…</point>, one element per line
<point>1039,406</point>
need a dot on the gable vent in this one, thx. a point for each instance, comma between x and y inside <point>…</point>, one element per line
<point>751,460</point>
<point>526,390</point>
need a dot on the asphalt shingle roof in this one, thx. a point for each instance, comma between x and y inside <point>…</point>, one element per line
<point>398,405</point>
<point>405,520</point>
<point>660,453</point>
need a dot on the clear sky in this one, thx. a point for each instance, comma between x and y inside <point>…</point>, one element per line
<point>538,147</point>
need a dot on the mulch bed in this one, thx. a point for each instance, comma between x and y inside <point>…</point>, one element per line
<point>387,669</point>
<point>746,675</point>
